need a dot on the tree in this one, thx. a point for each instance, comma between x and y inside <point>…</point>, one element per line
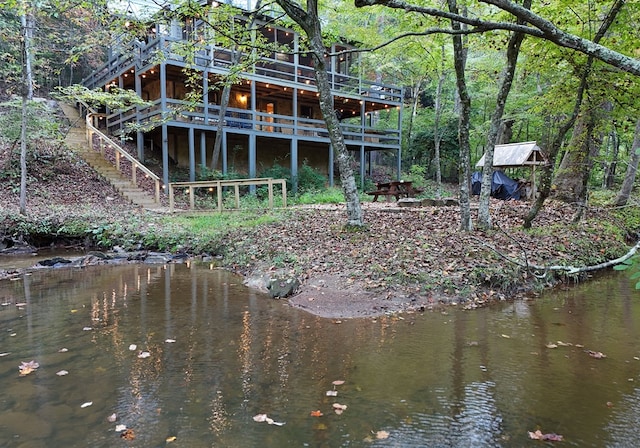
<point>309,21</point>
<point>632,169</point>
<point>508,73</point>
<point>26,28</point>
<point>464,169</point>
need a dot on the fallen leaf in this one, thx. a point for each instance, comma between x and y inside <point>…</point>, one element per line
<point>332,393</point>
<point>596,355</point>
<point>506,336</point>
<point>144,354</point>
<point>4,354</point>
<point>27,367</point>
<point>63,350</point>
<point>551,345</point>
<point>564,344</point>
<point>21,304</point>
<point>87,329</point>
<point>538,435</point>
<point>170,341</point>
<point>62,373</point>
<point>87,404</point>
<point>171,439</point>
<point>264,418</point>
<point>133,347</point>
<point>338,382</point>
<point>339,408</point>
<point>128,434</point>
<point>112,418</point>
<point>381,435</point>
<point>120,428</point>
<point>316,413</point>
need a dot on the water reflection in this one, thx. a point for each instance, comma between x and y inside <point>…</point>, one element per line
<point>219,354</point>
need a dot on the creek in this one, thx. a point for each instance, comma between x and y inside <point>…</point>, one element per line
<point>185,355</point>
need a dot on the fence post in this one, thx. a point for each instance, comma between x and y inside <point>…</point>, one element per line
<point>171,198</point>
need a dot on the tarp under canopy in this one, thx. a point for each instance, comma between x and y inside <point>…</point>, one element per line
<point>502,186</point>
<point>513,155</point>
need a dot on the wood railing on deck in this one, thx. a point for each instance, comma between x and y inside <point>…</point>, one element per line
<point>219,184</point>
<point>119,153</point>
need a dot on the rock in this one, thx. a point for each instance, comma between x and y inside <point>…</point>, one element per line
<point>409,202</point>
<point>444,202</point>
<point>157,258</point>
<point>280,288</point>
<point>10,246</point>
<point>98,254</point>
<point>54,261</point>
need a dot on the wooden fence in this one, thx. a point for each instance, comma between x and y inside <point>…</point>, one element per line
<point>218,185</point>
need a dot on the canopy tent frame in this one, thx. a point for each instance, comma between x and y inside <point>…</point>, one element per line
<point>517,155</point>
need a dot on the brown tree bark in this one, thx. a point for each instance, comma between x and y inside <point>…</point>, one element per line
<point>310,23</point>
<point>508,73</point>
<point>632,169</point>
<point>464,164</point>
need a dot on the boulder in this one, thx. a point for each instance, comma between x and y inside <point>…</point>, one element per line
<point>282,287</point>
<point>409,202</point>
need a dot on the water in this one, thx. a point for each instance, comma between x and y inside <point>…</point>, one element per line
<point>220,354</point>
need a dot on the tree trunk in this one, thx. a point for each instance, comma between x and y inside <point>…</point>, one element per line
<point>513,49</point>
<point>547,171</point>
<point>310,23</point>
<point>612,163</point>
<point>414,112</point>
<point>437,133</point>
<point>632,169</point>
<point>464,167</point>
<point>573,174</point>
<point>236,57</point>
<point>224,104</point>
<point>26,23</point>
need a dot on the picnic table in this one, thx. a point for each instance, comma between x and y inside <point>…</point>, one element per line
<point>397,189</point>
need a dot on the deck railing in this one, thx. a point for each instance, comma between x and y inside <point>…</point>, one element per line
<point>218,185</point>
<point>103,141</point>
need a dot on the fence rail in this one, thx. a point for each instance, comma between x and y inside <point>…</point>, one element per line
<point>219,184</point>
<point>119,153</point>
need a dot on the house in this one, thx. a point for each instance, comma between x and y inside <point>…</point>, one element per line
<point>273,113</point>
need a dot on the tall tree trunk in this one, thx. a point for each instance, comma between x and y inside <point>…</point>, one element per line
<point>546,177</point>
<point>414,112</point>
<point>575,168</point>
<point>310,23</point>
<point>632,169</point>
<point>513,50</point>
<point>26,23</point>
<point>464,167</point>
<point>437,132</point>
<point>612,164</point>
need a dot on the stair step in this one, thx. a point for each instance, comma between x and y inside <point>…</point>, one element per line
<point>76,140</point>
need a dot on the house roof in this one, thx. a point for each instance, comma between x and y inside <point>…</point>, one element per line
<point>515,155</point>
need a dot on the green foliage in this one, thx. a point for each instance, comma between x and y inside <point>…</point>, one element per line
<point>115,98</point>
<point>633,266</point>
<point>310,179</point>
<point>325,196</point>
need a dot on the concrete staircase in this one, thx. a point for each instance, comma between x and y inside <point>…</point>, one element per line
<point>76,140</point>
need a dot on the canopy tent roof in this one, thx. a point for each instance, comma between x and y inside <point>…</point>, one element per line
<point>513,155</point>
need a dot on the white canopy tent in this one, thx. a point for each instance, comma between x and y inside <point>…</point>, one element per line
<point>517,155</point>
